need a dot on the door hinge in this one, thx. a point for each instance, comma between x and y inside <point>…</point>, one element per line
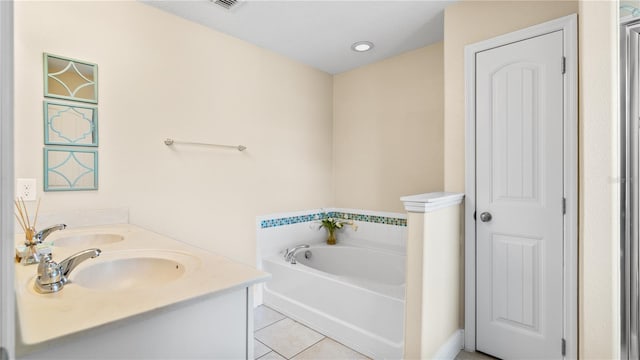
<point>564,347</point>
<point>564,65</point>
<point>564,206</point>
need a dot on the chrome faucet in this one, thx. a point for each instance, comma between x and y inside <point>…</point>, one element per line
<point>67,265</point>
<point>52,276</point>
<point>290,254</point>
<point>44,233</point>
<point>33,239</point>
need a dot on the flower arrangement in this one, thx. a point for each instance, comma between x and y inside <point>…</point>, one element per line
<point>332,224</point>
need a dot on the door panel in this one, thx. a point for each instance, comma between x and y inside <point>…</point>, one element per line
<point>516,281</point>
<point>519,179</point>
<point>515,130</point>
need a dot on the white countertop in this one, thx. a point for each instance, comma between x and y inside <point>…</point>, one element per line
<point>44,317</point>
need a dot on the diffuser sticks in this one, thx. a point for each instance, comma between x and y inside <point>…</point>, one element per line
<point>24,221</point>
<point>22,215</point>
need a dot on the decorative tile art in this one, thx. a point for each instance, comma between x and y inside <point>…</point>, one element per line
<point>71,125</point>
<point>70,169</point>
<point>70,79</point>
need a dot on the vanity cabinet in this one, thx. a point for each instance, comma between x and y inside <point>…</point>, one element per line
<point>218,326</point>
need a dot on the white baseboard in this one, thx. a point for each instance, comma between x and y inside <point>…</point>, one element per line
<point>451,347</point>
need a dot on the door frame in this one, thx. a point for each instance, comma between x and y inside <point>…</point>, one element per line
<point>569,26</point>
<point>7,298</point>
<point>629,170</point>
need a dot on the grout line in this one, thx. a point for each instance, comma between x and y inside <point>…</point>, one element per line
<point>269,352</point>
<point>310,346</point>
<point>284,357</point>
<point>354,350</point>
<point>267,346</point>
<point>332,339</point>
<point>266,326</point>
<point>269,324</point>
<point>262,343</point>
<point>303,350</point>
<point>274,310</point>
<point>308,327</point>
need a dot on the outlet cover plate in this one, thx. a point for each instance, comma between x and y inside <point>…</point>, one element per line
<point>26,189</point>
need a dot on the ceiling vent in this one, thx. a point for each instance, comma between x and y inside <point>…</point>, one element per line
<point>227,4</point>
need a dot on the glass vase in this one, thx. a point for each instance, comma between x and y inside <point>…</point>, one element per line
<point>331,240</point>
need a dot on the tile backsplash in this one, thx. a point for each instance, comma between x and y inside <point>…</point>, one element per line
<point>356,215</point>
<point>84,217</point>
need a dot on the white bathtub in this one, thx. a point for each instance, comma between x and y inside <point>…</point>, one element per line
<point>352,294</point>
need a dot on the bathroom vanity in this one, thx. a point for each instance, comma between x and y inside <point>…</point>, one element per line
<point>145,296</point>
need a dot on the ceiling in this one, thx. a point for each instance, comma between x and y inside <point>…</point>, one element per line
<point>320,33</point>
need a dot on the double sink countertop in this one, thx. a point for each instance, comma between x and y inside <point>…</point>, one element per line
<point>138,271</point>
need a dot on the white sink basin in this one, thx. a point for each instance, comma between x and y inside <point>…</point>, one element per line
<point>135,270</point>
<point>84,241</point>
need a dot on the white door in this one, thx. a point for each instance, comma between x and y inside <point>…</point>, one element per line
<point>519,185</point>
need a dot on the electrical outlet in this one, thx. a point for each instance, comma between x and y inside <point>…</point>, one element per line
<point>26,189</point>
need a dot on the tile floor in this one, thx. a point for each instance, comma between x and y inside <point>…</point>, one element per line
<point>463,355</point>
<point>279,337</point>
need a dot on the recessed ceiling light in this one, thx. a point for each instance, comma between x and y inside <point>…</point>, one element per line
<point>362,46</point>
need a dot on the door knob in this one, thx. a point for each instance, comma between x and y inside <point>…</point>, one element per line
<point>485,217</point>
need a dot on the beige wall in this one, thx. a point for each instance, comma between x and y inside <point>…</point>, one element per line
<point>162,76</point>
<point>388,130</point>
<point>413,295</point>
<point>599,276</point>
<point>472,21</point>
<point>433,299</point>
<point>388,120</point>
<point>441,271</point>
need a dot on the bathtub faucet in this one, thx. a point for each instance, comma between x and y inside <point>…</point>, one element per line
<point>290,254</point>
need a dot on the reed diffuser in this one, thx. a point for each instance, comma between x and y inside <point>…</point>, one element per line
<point>31,255</point>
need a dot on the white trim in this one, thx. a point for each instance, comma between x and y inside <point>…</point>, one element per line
<point>450,349</point>
<point>7,329</point>
<point>628,192</point>
<point>428,202</point>
<point>568,25</point>
<point>249,326</point>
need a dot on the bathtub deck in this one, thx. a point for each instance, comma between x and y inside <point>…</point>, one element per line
<point>279,337</point>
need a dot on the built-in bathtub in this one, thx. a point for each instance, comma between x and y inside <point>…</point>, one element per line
<point>352,294</point>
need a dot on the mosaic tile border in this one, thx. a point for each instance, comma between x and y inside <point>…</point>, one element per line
<point>289,220</point>
<point>335,214</point>
<point>371,218</point>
